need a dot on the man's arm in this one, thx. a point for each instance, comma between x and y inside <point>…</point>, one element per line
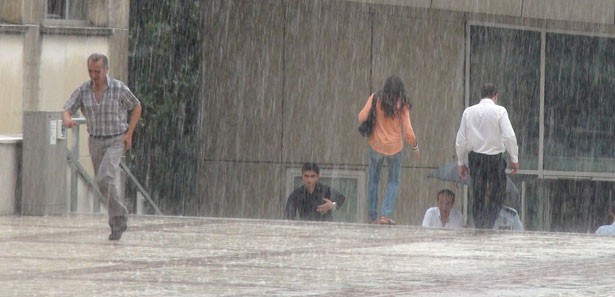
<point>338,198</point>
<point>461,143</point>
<point>291,208</point>
<point>70,107</point>
<point>135,115</point>
<point>67,119</point>
<point>331,197</point>
<point>428,218</point>
<point>510,141</point>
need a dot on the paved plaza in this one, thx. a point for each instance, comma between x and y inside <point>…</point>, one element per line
<point>184,256</point>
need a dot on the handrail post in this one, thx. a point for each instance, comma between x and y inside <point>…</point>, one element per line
<point>74,179</point>
<point>76,168</point>
<point>73,170</point>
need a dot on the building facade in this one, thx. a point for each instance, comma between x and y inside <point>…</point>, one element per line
<point>43,48</point>
<point>44,45</point>
<point>284,81</point>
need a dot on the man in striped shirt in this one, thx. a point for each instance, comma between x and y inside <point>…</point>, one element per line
<point>105,103</point>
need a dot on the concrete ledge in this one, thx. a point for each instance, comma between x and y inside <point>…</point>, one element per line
<point>14,29</point>
<point>584,11</point>
<point>499,7</point>
<point>85,31</point>
<point>10,152</point>
<point>589,11</point>
<point>408,3</point>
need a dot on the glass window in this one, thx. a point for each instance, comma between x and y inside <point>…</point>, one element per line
<point>568,205</point>
<point>579,129</point>
<point>510,59</point>
<point>347,187</point>
<point>350,183</point>
<point>66,9</point>
<point>579,101</point>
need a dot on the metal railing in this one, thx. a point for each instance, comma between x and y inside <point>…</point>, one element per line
<point>76,170</point>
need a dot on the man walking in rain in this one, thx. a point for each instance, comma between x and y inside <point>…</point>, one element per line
<point>105,103</point>
<point>484,134</point>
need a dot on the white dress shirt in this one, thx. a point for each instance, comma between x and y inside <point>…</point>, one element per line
<point>606,230</point>
<point>432,219</point>
<point>485,128</point>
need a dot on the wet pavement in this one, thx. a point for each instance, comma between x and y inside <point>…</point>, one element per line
<point>183,256</point>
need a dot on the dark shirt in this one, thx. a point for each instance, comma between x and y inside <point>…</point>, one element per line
<point>305,203</point>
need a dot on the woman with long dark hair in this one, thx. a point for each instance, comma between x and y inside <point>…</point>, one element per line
<point>392,126</point>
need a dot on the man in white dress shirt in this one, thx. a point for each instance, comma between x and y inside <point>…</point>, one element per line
<point>484,134</point>
<point>444,215</point>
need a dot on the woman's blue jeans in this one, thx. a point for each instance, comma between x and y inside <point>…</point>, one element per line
<point>373,179</point>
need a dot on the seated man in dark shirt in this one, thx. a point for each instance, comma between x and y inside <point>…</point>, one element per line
<point>314,201</point>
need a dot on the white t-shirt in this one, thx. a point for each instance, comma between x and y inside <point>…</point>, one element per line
<point>606,230</point>
<point>508,219</point>
<point>432,219</point>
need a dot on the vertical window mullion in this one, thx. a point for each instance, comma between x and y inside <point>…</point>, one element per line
<point>541,126</point>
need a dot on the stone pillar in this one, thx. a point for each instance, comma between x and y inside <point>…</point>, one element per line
<point>33,13</point>
<point>44,165</point>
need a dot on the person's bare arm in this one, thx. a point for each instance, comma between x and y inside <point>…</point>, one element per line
<point>67,119</point>
<point>135,115</point>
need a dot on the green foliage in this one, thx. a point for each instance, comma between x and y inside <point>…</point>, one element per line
<point>164,73</point>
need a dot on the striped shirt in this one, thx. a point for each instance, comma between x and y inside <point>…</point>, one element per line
<point>109,116</point>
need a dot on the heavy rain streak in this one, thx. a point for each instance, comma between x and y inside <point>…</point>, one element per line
<point>307,147</point>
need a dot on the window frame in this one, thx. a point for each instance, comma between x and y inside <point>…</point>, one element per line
<point>540,172</point>
<point>66,20</point>
<point>359,175</point>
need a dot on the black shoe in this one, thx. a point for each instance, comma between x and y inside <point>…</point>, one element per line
<point>115,234</point>
<point>118,226</point>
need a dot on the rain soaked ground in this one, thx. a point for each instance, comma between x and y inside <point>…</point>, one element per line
<point>174,256</point>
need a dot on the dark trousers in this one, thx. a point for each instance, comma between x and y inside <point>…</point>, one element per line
<point>488,173</point>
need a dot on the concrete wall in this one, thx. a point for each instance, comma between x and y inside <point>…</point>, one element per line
<point>575,11</point>
<point>65,52</point>
<point>290,84</point>
<point>284,80</point>
<point>10,160</point>
<point>44,164</point>
<point>11,83</point>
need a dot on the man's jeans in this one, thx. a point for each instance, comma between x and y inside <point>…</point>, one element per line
<point>488,173</point>
<point>106,154</point>
<point>373,175</point>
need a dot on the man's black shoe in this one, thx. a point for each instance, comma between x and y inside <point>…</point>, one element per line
<point>115,235</point>
<point>116,232</point>
<point>118,226</point>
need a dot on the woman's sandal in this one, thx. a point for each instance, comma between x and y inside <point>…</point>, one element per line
<point>386,221</point>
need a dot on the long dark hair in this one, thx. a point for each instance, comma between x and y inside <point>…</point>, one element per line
<point>393,94</point>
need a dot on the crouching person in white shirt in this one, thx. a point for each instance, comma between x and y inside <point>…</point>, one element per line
<point>508,219</point>
<point>608,229</point>
<point>444,215</point>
